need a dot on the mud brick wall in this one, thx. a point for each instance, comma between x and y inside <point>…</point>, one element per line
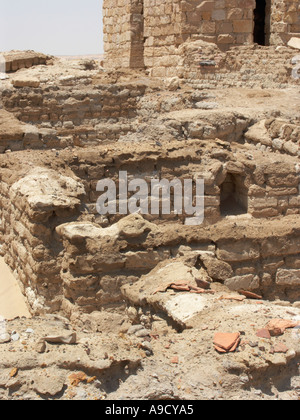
<point>162,30</point>
<point>265,189</point>
<point>28,219</point>
<point>270,265</point>
<point>66,255</point>
<point>75,115</point>
<point>97,262</point>
<point>16,60</point>
<point>245,66</point>
<point>225,23</point>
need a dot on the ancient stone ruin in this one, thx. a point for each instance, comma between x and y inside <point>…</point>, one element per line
<point>141,305</point>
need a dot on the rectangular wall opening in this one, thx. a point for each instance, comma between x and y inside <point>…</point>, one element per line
<point>234,196</point>
<point>262,22</point>
<point>137,34</point>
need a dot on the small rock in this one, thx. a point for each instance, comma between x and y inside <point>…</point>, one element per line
<point>13,372</point>
<point>132,313</point>
<point>244,379</point>
<point>76,378</point>
<point>49,383</point>
<point>147,346</point>
<point>5,338</point>
<point>15,337</point>
<point>134,329</point>
<point>142,333</point>
<point>41,346</point>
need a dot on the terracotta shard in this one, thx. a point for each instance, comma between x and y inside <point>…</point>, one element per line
<point>233,297</point>
<point>184,286</point>
<point>277,327</point>
<point>250,295</point>
<point>226,341</point>
<point>180,287</point>
<point>264,333</point>
<point>280,348</point>
<point>203,284</point>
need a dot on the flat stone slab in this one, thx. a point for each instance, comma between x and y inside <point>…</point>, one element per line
<point>294,43</point>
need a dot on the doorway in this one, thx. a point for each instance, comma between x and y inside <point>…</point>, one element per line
<point>262,22</point>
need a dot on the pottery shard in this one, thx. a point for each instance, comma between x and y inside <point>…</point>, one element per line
<point>280,348</point>
<point>226,342</point>
<point>277,327</point>
<point>263,333</point>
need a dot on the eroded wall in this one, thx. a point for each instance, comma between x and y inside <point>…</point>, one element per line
<point>66,255</point>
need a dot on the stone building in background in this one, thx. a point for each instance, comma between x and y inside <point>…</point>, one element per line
<point>148,33</point>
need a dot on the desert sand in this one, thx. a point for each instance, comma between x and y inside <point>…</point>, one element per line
<point>12,302</point>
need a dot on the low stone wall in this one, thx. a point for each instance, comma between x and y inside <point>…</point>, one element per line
<point>98,262</point>
<point>16,60</point>
<point>76,115</point>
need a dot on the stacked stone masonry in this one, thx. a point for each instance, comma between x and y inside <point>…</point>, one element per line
<point>66,255</point>
<point>149,33</point>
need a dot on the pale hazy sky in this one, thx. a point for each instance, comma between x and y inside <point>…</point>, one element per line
<point>57,27</point>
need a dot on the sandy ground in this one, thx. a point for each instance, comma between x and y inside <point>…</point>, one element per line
<point>12,302</point>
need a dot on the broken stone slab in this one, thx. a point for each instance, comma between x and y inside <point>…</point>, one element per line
<point>247,282</point>
<point>49,382</point>
<point>21,82</point>
<point>61,339</point>
<point>294,42</point>
<point>152,289</point>
<point>131,226</point>
<point>258,133</point>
